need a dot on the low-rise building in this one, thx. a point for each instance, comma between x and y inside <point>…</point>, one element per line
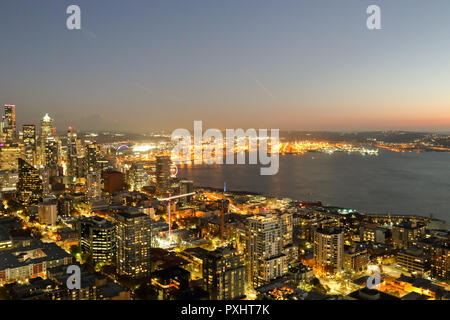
<point>373,233</point>
<point>31,262</point>
<point>356,258</point>
<point>414,260</point>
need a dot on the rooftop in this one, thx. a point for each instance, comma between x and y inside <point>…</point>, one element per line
<point>34,253</point>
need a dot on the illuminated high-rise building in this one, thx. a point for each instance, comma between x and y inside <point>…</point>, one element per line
<point>287,231</point>
<point>29,186</point>
<point>329,250</point>
<point>405,234</point>
<point>93,186</point>
<point>162,174</point>
<point>97,237</point>
<point>71,151</point>
<point>264,249</point>
<point>10,114</point>
<point>46,132</point>
<point>2,129</point>
<point>287,228</point>
<point>29,141</point>
<point>9,155</point>
<point>224,274</point>
<point>81,168</point>
<point>45,174</point>
<point>440,261</point>
<point>51,151</point>
<point>46,128</point>
<point>137,176</point>
<point>8,180</point>
<point>92,156</point>
<point>133,239</point>
<point>10,123</point>
<point>75,157</point>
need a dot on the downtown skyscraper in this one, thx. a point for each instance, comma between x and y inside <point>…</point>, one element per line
<point>9,128</point>
<point>29,141</point>
<point>97,237</point>
<point>48,154</point>
<point>133,240</point>
<point>224,274</point>
<point>329,249</point>
<point>264,249</point>
<point>29,187</point>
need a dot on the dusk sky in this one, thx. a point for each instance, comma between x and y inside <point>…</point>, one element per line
<point>143,65</point>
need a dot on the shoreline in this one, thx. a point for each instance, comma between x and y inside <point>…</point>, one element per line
<point>370,215</point>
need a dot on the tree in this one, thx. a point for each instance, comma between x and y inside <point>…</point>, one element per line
<point>98,266</point>
<point>146,292</point>
<point>89,260</point>
<point>74,250</point>
<point>14,206</point>
<point>5,294</point>
<point>440,292</point>
<point>317,286</point>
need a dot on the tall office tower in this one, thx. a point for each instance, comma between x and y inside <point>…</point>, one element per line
<point>29,141</point>
<point>133,237</point>
<point>224,274</point>
<point>93,186</point>
<point>76,164</point>
<point>46,126</point>
<point>51,152</point>
<point>9,155</point>
<point>46,130</point>
<point>162,174</point>
<point>29,186</point>
<point>440,261</point>
<point>81,167</point>
<point>264,250</point>
<point>45,174</point>
<point>97,237</point>
<point>329,250</point>
<point>10,123</point>
<point>137,176</point>
<point>2,129</point>
<point>92,156</point>
<point>8,181</point>
<point>72,152</point>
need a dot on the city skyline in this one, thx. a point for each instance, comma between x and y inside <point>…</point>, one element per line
<point>292,65</point>
<point>242,152</point>
<point>21,126</point>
